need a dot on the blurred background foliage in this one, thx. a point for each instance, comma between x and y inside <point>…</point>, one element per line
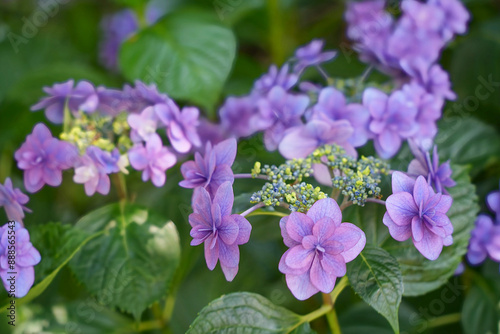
<point>267,32</point>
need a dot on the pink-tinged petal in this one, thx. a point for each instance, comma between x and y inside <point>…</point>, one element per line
<point>216,215</point>
<point>440,219</point>
<point>211,252</point>
<point>165,159</point>
<point>402,183</point>
<point>177,138</point>
<point>376,101</point>
<point>322,174</point>
<point>33,180</point>
<point>282,266</point>
<point>229,272</point>
<point>30,258</point>
<point>228,230</point>
<point>387,144</point>
<point>309,242</point>
<point>154,143</point>
<point>298,226</point>
<point>324,228</point>
<point>297,143</point>
<point>24,280</point>
<point>301,286</point>
<point>401,207</point>
<point>448,240</point>
<point>221,174</point>
<point>202,203</point>
<point>444,204</point>
<point>352,238</point>
<point>229,255</point>
<point>244,229</point>
<point>332,247</point>
<point>196,219</point>
<point>320,279</point>
<point>41,132</point>
<point>287,240</point>
<point>299,257</point>
<point>334,265</point>
<point>421,192</point>
<point>146,174</point>
<point>225,152</point>
<point>399,233</point>
<point>326,207</point>
<point>225,198</point>
<point>138,157</point>
<point>417,228</point>
<point>430,246</point>
<point>91,186</point>
<point>158,177</point>
<point>104,184</point>
<point>199,233</point>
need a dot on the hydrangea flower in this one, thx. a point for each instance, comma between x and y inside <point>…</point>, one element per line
<point>26,257</point>
<point>415,210</point>
<point>302,140</point>
<point>455,17</point>
<point>332,103</point>
<point>493,201</point>
<point>13,200</point>
<point>320,245</point>
<point>484,241</point>
<point>280,78</point>
<point>43,158</point>
<point>439,176</point>
<point>277,112</point>
<point>93,168</point>
<point>437,82</point>
<point>311,55</point>
<point>143,124</point>
<point>211,170</point>
<point>221,232</point>
<point>181,125</point>
<point>81,98</point>
<point>153,159</point>
<point>393,119</point>
<point>141,96</point>
<point>236,115</point>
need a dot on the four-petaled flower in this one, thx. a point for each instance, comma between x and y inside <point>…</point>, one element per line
<point>26,257</point>
<point>220,231</point>
<point>415,210</point>
<point>320,245</point>
<point>153,159</point>
<point>212,169</point>
<point>43,157</point>
<point>13,200</point>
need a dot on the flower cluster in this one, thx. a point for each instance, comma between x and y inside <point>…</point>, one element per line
<point>13,200</point>
<point>415,210</point>
<point>15,239</point>
<point>485,238</point>
<point>320,246</point>
<point>106,130</point>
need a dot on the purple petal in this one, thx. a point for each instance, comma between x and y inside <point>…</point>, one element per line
<point>421,191</point>
<point>322,280</point>
<point>399,233</point>
<point>417,228</point>
<point>334,265</point>
<point>228,231</point>
<point>244,229</point>
<point>324,228</point>
<point>299,257</point>
<point>401,207</point>
<point>225,198</point>
<point>229,272</point>
<point>298,226</point>
<point>211,253</point>
<point>430,246</point>
<point>352,238</point>
<point>326,207</point>
<point>229,255</point>
<point>301,286</point>
<point>289,242</point>
<point>402,182</point>
<point>225,152</point>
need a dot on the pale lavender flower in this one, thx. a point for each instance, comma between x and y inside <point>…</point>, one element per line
<point>26,257</point>
<point>211,132</point>
<point>273,78</point>
<point>393,119</point>
<point>455,17</point>
<point>81,98</point>
<point>332,103</point>
<point>142,96</point>
<point>143,125</point>
<point>277,112</point>
<point>43,158</point>
<point>302,140</point>
<point>320,246</point>
<point>438,176</point>
<point>236,115</point>
<point>153,159</point>
<point>93,168</point>
<point>493,201</point>
<point>220,231</point>
<point>484,241</point>
<point>312,55</point>
<point>181,125</point>
<point>437,82</point>
<point>415,210</point>
<point>13,200</point>
<point>212,169</point>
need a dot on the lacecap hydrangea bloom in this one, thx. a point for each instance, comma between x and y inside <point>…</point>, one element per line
<point>18,275</point>
<point>320,245</point>
<point>220,231</point>
<point>415,210</point>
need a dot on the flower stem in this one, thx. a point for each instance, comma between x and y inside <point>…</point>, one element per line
<point>249,176</point>
<point>267,213</point>
<point>376,200</point>
<point>121,186</point>
<point>331,317</point>
<point>341,285</point>
<point>444,320</point>
<point>316,314</point>
<point>364,75</point>
<point>277,33</point>
<point>252,209</point>
<point>345,204</point>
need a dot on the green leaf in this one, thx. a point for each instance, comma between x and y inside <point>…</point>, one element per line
<point>481,311</point>
<point>375,276</point>
<point>188,54</point>
<point>245,312</point>
<point>57,244</point>
<point>421,275</point>
<point>131,265</point>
